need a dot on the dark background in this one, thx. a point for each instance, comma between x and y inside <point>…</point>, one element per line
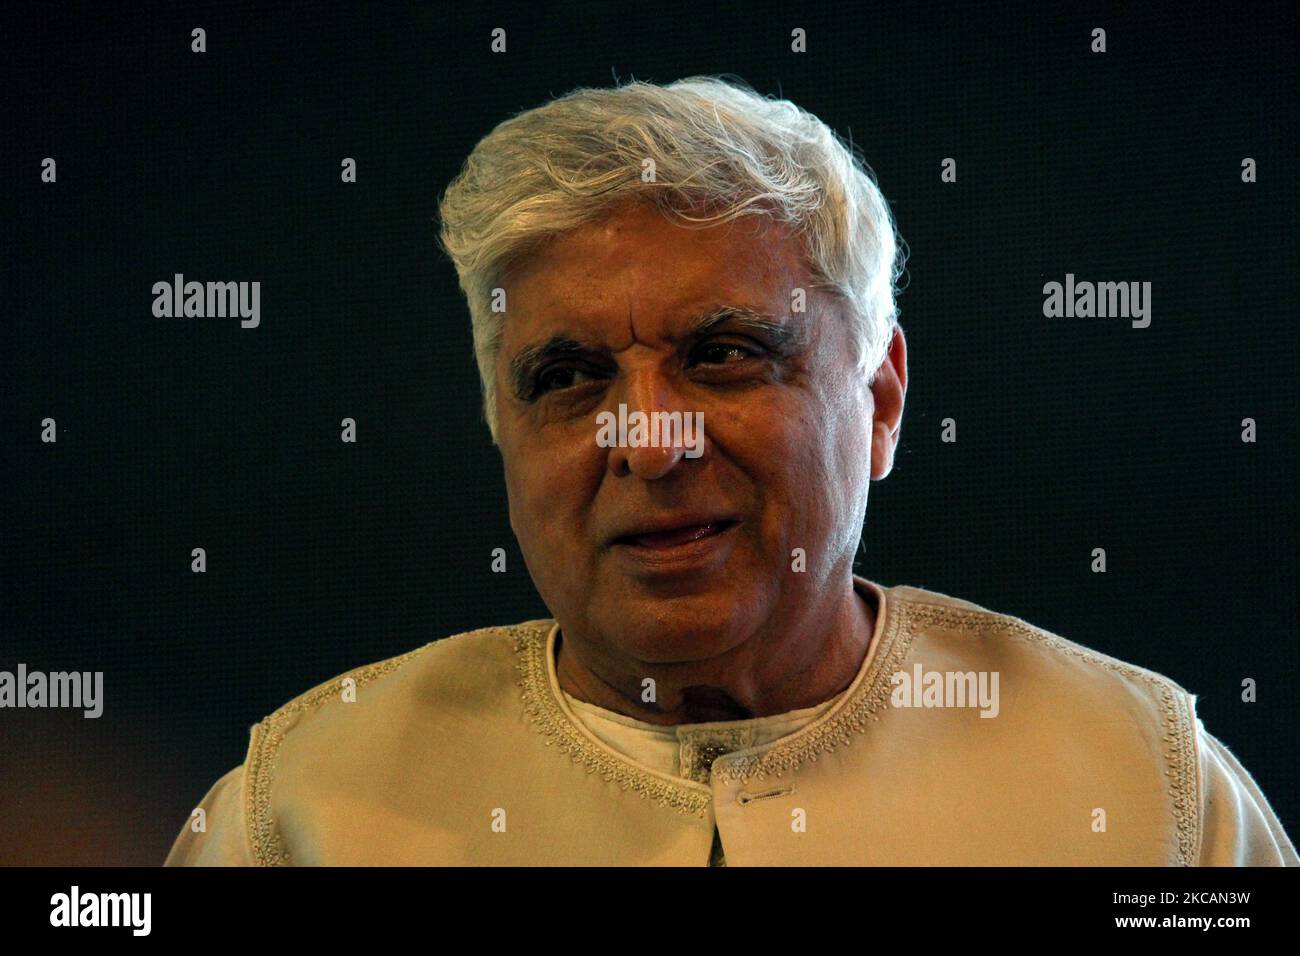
<point>224,166</point>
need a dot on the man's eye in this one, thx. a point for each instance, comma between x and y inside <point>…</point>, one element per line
<point>560,376</point>
<point>724,353</point>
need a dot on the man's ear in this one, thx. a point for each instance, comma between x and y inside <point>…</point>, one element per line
<point>888,391</point>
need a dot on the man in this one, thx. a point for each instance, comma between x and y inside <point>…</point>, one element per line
<point>716,686</point>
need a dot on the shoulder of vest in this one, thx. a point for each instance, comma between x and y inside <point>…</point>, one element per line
<point>463,672</point>
<point>467,658</point>
<point>931,612</point>
<point>1066,686</point>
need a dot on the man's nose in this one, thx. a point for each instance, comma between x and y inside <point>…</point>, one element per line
<point>646,463</point>
<point>654,397</point>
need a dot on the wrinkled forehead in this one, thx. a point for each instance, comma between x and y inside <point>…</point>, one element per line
<point>638,275</point>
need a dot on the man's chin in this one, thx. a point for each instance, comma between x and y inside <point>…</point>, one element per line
<point>681,629</point>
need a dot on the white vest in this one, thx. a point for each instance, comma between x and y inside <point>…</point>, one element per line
<point>466,752</point>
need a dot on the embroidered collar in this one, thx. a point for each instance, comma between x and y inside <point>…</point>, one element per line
<point>856,708</point>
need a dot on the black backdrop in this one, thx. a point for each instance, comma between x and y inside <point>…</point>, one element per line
<point>182,433</point>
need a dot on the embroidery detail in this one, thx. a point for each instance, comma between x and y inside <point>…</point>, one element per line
<point>836,728</point>
<point>1178,735</point>
<point>697,749</point>
<point>567,738</point>
<point>268,850</point>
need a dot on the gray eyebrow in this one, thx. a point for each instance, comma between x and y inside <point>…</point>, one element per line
<point>528,359</point>
<point>741,318</point>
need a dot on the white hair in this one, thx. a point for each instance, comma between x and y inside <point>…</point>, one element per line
<point>720,150</point>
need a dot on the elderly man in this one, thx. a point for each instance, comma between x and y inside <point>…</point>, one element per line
<point>716,686</point>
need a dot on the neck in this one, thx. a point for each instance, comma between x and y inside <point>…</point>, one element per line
<point>772,673</point>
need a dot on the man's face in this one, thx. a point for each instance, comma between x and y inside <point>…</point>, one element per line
<point>609,314</point>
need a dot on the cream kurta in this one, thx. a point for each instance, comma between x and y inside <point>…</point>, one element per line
<point>466,752</point>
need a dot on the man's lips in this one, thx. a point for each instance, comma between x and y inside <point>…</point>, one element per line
<point>679,535</point>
